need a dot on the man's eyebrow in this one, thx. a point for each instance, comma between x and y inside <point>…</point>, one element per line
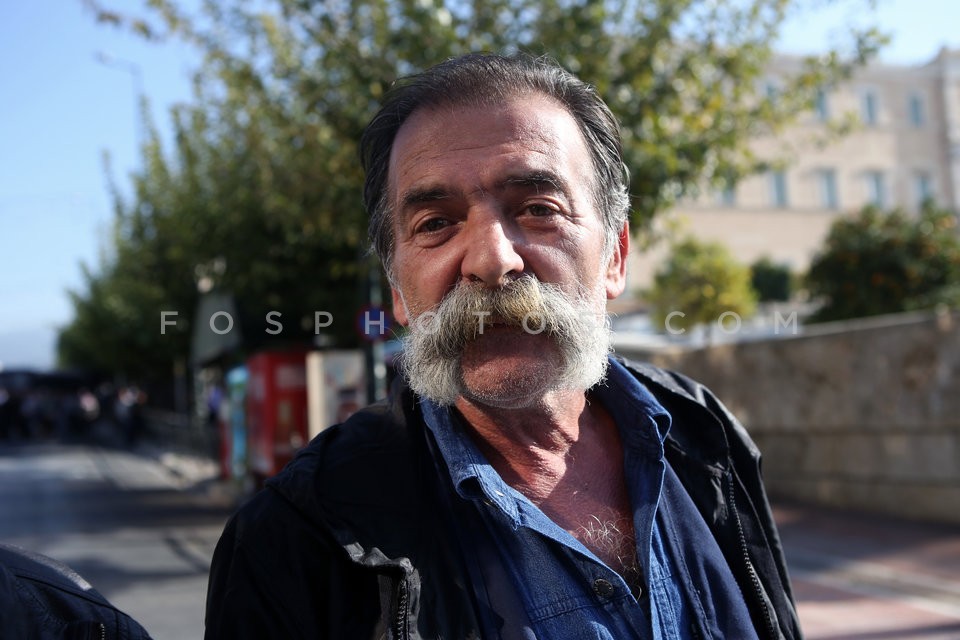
<point>420,196</point>
<point>539,180</point>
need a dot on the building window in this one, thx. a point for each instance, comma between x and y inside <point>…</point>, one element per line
<point>868,108</point>
<point>726,197</point>
<point>778,189</point>
<point>876,189</point>
<point>918,116</point>
<point>821,107</point>
<point>828,189</point>
<point>922,187</point>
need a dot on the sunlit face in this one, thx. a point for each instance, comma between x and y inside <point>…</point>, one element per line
<point>485,195</point>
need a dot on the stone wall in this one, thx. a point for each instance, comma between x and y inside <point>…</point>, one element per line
<point>862,414</point>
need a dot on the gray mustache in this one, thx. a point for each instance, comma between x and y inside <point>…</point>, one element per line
<point>575,323</point>
<point>468,310</point>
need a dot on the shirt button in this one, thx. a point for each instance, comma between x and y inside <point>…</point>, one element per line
<point>603,588</point>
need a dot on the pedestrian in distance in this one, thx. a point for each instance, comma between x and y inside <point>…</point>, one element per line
<point>520,481</point>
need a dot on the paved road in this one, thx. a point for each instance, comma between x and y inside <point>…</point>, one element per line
<point>130,525</point>
<point>143,532</point>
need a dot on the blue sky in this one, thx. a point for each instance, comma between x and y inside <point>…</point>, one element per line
<point>62,109</point>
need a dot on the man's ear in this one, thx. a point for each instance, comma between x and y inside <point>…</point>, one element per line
<point>399,309</point>
<point>616,276</point>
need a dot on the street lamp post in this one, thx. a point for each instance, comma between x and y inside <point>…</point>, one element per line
<point>109,60</point>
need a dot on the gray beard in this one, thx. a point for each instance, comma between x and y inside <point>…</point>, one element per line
<point>432,350</point>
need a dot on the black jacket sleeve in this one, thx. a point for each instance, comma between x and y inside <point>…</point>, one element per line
<point>276,575</point>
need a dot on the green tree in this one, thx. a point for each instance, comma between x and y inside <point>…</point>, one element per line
<point>772,281</point>
<point>702,281</point>
<point>880,262</point>
<point>682,76</point>
<point>116,325</point>
<point>262,179</point>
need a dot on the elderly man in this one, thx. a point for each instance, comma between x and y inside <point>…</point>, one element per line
<point>524,484</point>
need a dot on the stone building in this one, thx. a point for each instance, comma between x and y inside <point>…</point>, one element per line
<point>904,148</point>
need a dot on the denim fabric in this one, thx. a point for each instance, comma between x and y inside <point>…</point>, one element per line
<point>537,580</point>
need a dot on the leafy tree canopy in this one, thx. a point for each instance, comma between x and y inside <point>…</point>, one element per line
<point>772,281</point>
<point>260,194</point>
<point>885,262</point>
<point>698,284</point>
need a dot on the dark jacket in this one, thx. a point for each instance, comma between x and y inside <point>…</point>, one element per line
<point>42,599</point>
<point>351,541</point>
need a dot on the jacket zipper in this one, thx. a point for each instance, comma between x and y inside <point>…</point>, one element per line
<point>399,621</point>
<point>754,578</point>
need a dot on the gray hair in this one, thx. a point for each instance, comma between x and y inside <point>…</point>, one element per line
<point>482,80</point>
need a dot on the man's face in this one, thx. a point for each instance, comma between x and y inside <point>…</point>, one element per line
<point>481,197</point>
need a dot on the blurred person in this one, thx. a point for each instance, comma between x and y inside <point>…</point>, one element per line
<point>215,399</point>
<point>128,412</point>
<point>72,425</point>
<point>6,413</point>
<point>33,416</point>
<point>519,482</point>
<point>216,412</point>
<point>89,405</point>
<point>82,409</point>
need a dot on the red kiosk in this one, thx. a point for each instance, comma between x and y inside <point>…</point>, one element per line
<point>276,410</point>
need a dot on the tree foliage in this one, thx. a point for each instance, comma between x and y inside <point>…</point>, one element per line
<point>263,180</point>
<point>702,281</point>
<point>773,282</point>
<point>885,262</point>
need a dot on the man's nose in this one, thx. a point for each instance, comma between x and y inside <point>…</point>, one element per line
<point>490,254</point>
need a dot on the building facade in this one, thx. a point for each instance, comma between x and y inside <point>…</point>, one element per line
<point>903,148</point>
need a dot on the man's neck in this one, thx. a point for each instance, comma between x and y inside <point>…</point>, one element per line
<point>537,448</point>
<point>566,457</point>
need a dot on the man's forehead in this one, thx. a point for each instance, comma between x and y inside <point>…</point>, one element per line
<point>531,100</point>
<point>540,125</point>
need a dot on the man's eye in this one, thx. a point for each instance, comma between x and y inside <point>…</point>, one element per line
<point>539,210</point>
<point>432,225</point>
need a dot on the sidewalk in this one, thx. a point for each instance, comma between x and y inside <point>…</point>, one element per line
<point>856,576</point>
<point>863,577</point>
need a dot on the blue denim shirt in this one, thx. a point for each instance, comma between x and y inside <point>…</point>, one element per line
<point>533,579</point>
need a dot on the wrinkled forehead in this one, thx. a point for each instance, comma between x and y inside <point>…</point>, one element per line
<point>530,122</point>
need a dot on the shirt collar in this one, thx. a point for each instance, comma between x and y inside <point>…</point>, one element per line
<point>473,477</point>
<point>642,420</point>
